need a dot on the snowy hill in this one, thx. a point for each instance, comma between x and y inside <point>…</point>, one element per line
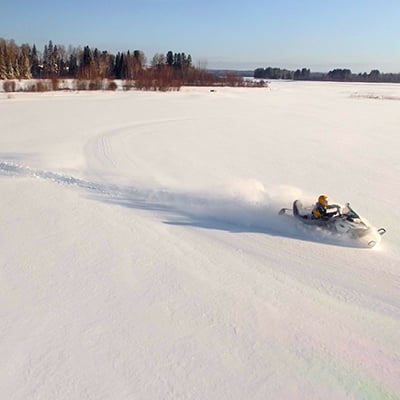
<point>142,255</point>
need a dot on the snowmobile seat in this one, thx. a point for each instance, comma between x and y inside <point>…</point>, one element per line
<point>298,210</point>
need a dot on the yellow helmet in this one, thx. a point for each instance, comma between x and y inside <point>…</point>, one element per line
<point>323,200</point>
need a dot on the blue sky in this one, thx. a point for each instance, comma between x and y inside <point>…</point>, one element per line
<point>317,34</point>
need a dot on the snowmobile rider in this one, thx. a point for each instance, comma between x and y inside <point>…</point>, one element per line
<point>320,210</point>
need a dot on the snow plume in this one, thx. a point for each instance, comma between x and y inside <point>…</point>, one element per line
<point>245,205</point>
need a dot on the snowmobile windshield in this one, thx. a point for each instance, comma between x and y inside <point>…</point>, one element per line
<point>350,213</point>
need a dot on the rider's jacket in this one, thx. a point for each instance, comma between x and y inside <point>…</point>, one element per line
<point>318,211</point>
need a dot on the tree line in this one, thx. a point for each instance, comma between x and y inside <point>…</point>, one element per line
<point>55,62</point>
<point>26,62</point>
<point>337,74</point>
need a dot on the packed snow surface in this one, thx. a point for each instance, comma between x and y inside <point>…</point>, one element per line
<point>142,256</point>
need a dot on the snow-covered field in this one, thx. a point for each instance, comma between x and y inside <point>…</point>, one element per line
<point>142,256</point>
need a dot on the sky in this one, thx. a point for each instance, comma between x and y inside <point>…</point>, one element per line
<point>316,34</point>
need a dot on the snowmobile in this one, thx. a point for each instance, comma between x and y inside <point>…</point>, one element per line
<point>343,221</point>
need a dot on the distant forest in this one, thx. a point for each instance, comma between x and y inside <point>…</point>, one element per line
<point>90,68</point>
<point>341,75</point>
